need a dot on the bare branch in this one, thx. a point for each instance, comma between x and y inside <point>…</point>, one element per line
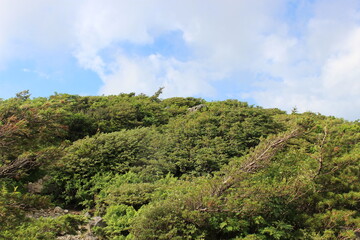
<point>22,163</point>
<point>258,160</point>
<point>320,159</point>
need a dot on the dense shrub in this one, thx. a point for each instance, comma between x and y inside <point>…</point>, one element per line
<point>170,169</point>
<point>117,152</point>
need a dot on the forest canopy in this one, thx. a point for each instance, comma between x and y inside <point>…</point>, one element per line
<point>176,168</point>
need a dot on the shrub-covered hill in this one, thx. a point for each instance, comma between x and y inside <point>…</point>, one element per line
<point>177,168</point>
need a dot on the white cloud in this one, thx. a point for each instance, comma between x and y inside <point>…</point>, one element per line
<point>223,37</point>
<point>324,76</point>
<point>312,52</point>
<point>32,28</point>
<point>147,74</point>
<point>38,73</point>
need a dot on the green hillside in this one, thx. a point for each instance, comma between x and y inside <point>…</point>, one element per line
<point>176,168</point>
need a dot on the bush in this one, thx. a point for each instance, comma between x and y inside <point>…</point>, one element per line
<point>46,228</point>
<point>117,152</point>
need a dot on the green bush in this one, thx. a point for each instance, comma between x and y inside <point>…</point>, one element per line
<point>118,220</point>
<point>46,228</point>
<point>117,152</point>
<point>13,206</point>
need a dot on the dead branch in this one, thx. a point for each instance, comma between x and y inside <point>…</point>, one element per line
<point>256,161</point>
<point>22,163</point>
<point>320,159</point>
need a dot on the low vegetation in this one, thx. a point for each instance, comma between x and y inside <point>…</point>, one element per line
<point>176,168</point>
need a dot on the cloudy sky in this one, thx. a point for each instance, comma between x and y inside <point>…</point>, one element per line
<point>272,53</point>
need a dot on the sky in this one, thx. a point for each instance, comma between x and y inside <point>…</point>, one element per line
<point>286,54</point>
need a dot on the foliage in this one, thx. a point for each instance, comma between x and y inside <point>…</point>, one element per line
<point>46,228</point>
<point>118,219</point>
<point>14,204</point>
<point>202,142</point>
<point>177,168</point>
<point>117,152</point>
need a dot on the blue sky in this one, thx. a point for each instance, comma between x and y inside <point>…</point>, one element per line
<point>272,53</point>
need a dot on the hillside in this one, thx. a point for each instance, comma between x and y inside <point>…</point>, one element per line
<point>176,168</point>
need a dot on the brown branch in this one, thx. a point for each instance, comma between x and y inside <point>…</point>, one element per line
<point>219,210</point>
<point>23,163</point>
<point>258,160</point>
<point>320,159</point>
<point>264,155</point>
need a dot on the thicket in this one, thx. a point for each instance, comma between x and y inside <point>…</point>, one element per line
<point>177,168</point>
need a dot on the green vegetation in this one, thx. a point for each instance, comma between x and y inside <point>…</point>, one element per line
<point>177,168</point>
